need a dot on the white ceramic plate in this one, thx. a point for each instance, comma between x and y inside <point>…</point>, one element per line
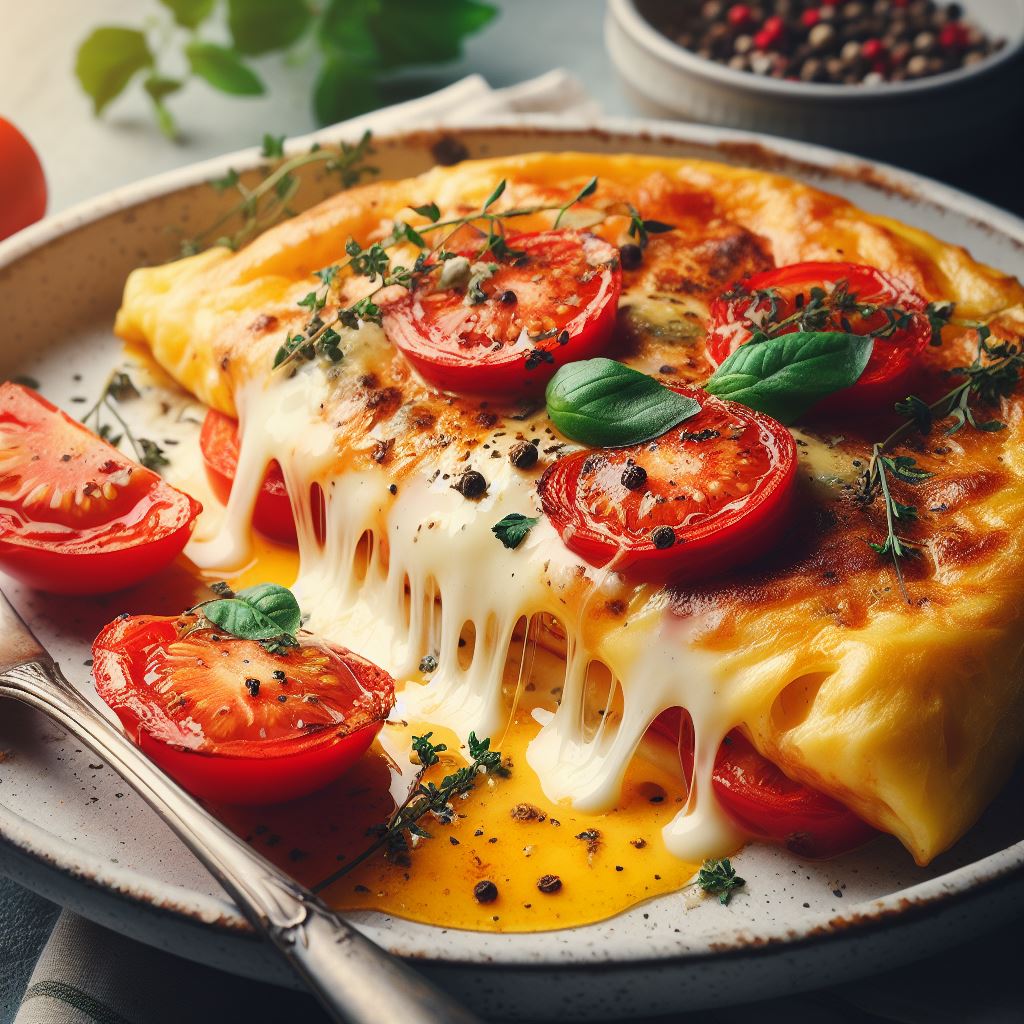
<point>71,829</point>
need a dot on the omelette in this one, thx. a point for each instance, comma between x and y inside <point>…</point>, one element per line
<point>889,682</point>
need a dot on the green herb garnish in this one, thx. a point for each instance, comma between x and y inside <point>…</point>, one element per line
<point>425,798</point>
<point>264,204</point>
<point>993,375</point>
<point>375,264</point>
<point>119,387</point>
<point>719,878</point>
<point>513,529</point>
<point>787,375</point>
<point>266,613</point>
<point>606,404</point>
<point>875,482</point>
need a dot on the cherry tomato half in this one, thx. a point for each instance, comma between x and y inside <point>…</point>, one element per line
<point>708,495</point>
<point>554,303</point>
<point>218,442</point>
<point>765,299</point>
<point>765,802</point>
<point>22,182</point>
<point>232,722</point>
<point>76,516</point>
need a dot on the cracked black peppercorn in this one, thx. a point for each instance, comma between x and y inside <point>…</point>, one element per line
<point>852,42</point>
<point>631,256</point>
<point>634,477</point>
<point>549,884</point>
<point>471,484</point>
<point>523,455</point>
<point>508,298</point>
<point>253,686</point>
<point>663,537</point>
<point>485,891</point>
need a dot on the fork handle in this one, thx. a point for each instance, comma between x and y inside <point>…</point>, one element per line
<point>353,978</point>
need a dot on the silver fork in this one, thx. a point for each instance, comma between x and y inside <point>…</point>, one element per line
<point>353,978</point>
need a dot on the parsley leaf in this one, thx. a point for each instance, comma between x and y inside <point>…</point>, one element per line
<point>719,878</point>
<point>513,529</point>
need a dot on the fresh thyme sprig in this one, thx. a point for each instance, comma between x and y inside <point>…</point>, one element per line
<point>719,878</point>
<point>425,798</point>
<point>120,388</point>
<point>822,310</point>
<point>265,204</point>
<point>875,482</point>
<point>319,336</point>
<point>992,375</point>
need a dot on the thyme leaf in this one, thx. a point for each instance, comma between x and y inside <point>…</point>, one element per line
<point>992,375</point>
<point>374,263</point>
<point>425,797</point>
<point>267,202</point>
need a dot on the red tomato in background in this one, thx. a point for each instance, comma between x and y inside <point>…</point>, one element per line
<point>77,516</point>
<point>706,496</point>
<point>22,182</point>
<point>232,722</point>
<point>553,304</point>
<point>764,801</point>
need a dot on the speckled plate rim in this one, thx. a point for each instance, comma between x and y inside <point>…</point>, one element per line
<point>1003,870</point>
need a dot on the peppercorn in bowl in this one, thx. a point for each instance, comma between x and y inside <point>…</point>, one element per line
<point>900,80</point>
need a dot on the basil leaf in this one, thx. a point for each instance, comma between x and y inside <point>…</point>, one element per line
<point>787,375</point>
<point>606,404</point>
<point>263,612</point>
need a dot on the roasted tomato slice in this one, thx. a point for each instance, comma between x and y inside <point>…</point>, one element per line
<point>232,722</point>
<point>710,494</point>
<point>218,441</point>
<point>76,516</point>
<point>765,802</point>
<point>858,293</point>
<point>553,304</point>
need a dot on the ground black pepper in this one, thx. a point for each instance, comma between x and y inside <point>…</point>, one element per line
<point>631,256</point>
<point>471,484</point>
<point>634,477</point>
<point>663,537</point>
<point>523,455</point>
<point>485,891</point>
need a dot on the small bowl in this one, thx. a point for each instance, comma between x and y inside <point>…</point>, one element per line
<point>932,122</point>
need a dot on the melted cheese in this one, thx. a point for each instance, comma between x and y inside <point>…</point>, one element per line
<point>813,653</point>
<point>400,576</point>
